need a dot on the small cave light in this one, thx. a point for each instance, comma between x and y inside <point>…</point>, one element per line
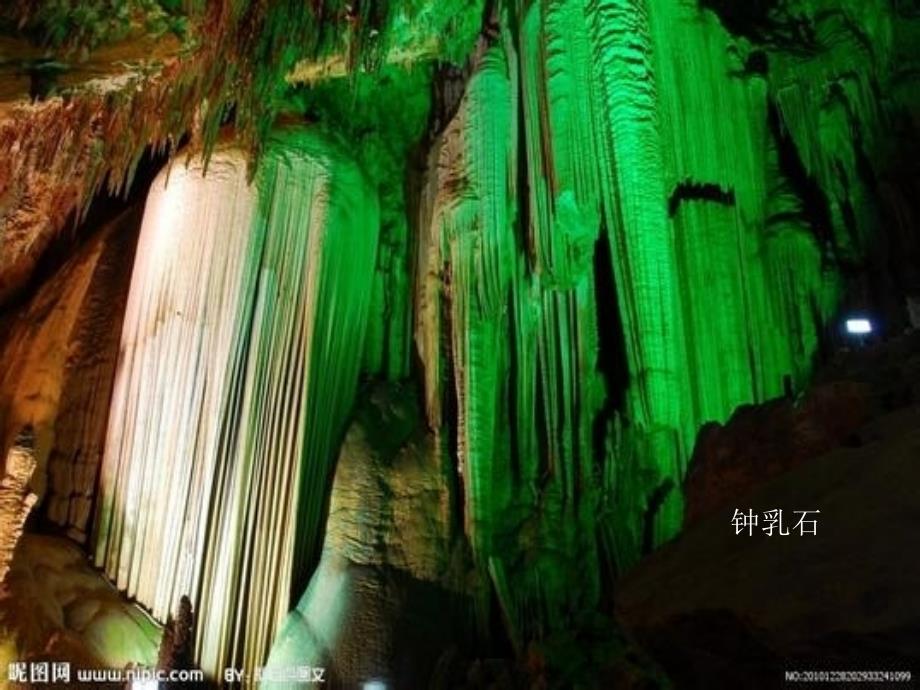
<point>859,326</point>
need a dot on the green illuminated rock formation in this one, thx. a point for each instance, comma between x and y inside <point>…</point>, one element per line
<point>575,158</point>
<point>619,236</point>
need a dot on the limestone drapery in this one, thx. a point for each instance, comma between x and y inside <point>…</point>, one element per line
<point>240,353</point>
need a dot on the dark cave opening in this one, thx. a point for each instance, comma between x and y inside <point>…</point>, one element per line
<point>691,190</point>
<point>815,208</point>
<point>611,360</point>
<point>103,208</point>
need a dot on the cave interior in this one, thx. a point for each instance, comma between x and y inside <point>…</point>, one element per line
<point>614,381</point>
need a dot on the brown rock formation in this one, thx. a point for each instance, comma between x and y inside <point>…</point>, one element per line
<point>760,442</point>
<point>87,383</point>
<point>16,500</point>
<point>176,647</point>
<point>55,607</point>
<point>64,344</point>
<point>393,589</point>
<point>58,152</point>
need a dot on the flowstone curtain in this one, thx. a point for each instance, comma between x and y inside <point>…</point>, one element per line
<point>239,361</point>
<point>602,184</point>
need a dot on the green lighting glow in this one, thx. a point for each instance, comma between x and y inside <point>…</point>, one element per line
<point>660,149</point>
<point>593,241</point>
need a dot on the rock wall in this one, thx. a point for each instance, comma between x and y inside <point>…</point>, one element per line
<point>60,351</point>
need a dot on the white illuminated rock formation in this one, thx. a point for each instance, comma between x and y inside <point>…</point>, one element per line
<point>240,353</point>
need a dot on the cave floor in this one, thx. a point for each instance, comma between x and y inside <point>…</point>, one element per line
<point>55,607</point>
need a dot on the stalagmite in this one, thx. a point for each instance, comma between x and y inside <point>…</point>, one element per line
<point>240,354</point>
<point>522,346</point>
<point>16,500</point>
<point>391,591</point>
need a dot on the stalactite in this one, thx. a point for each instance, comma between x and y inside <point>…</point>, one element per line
<point>643,254</point>
<point>803,289</point>
<point>826,102</point>
<point>707,140</point>
<point>383,117</point>
<point>585,123</point>
<point>240,356</point>
<point>630,224</point>
<point>516,301</point>
<point>234,62</point>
